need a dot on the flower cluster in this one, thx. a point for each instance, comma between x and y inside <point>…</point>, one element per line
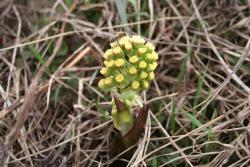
<point>129,65</point>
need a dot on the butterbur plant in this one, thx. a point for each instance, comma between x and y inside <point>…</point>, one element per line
<point>128,69</point>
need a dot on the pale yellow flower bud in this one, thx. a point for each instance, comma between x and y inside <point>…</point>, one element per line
<point>152,56</point>
<point>137,40</point>
<point>133,59</point>
<point>108,81</point>
<point>109,63</point>
<point>135,85</point>
<point>132,70</point>
<point>117,51</point>
<point>142,64</point>
<point>104,71</point>
<point>150,46</point>
<point>123,41</point>
<point>101,84</point>
<point>119,78</point>
<point>128,46</point>
<point>119,63</point>
<point>108,54</point>
<point>141,51</point>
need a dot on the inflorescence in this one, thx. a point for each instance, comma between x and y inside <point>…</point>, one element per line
<point>129,65</point>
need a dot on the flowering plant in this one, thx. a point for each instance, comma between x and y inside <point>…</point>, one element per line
<point>128,68</point>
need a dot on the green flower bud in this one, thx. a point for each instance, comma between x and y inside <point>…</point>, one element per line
<point>151,76</point>
<point>152,66</point>
<point>143,75</point>
<point>144,84</point>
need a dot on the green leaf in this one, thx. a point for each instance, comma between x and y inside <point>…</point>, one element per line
<point>138,127</point>
<point>57,94</point>
<point>121,115</point>
<point>165,159</point>
<point>195,121</point>
<point>244,66</point>
<point>154,162</point>
<point>63,50</point>
<point>95,91</point>
<point>134,4</point>
<point>104,112</point>
<point>173,116</point>
<point>198,90</point>
<point>121,9</point>
<point>198,94</point>
<point>37,55</point>
<point>184,62</point>
<point>69,2</point>
<point>129,97</point>
<point>137,14</point>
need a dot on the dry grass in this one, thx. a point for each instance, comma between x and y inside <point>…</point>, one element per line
<point>52,113</point>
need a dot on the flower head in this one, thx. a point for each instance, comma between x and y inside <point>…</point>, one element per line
<point>128,68</point>
<point>129,64</point>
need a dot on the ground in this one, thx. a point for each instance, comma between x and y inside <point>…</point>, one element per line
<point>53,113</point>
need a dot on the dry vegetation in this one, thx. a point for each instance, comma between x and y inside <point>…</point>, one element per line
<point>53,114</point>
